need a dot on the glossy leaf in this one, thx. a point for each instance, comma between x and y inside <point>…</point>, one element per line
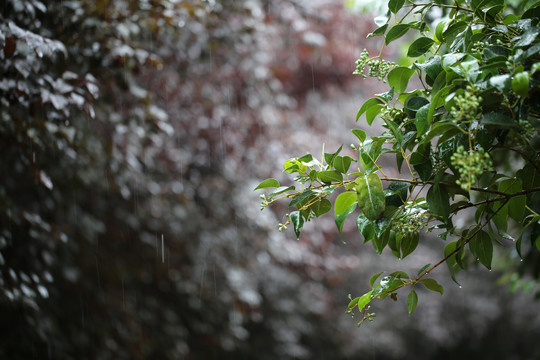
<point>366,105</point>
<point>374,278</point>
<point>370,195</point>
<point>364,300</point>
<point>395,5</point>
<point>398,78</point>
<point>409,243</point>
<point>360,134</point>
<point>432,284</point>
<point>422,121</point>
<point>481,246</point>
<point>268,183</point>
<point>420,46</point>
<point>330,176</point>
<point>412,301</point>
<point>396,32</point>
<point>298,221</point>
<point>321,207</point>
<point>344,201</point>
<point>300,199</point>
<point>516,204</point>
<point>342,163</point>
<point>366,228</point>
<point>280,190</point>
<point>369,153</point>
<point>438,201</point>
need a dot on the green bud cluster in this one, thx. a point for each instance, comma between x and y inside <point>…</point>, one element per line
<point>411,220</point>
<point>281,226</point>
<point>378,67</point>
<point>467,106</point>
<point>479,46</point>
<point>264,202</point>
<point>470,164</point>
<point>390,112</point>
<point>527,129</point>
<point>521,137</point>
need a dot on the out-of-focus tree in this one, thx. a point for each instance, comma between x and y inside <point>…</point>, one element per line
<point>123,132</point>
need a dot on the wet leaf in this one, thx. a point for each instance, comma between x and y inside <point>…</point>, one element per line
<point>412,301</point>
<point>370,195</point>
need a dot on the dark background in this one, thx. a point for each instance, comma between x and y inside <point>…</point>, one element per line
<point>131,136</point>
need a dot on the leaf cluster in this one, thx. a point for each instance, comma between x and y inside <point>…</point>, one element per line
<point>467,139</point>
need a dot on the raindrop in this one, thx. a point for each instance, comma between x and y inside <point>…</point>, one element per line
<point>460,286</point>
<point>33,157</point>
<point>520,259</point>
<point>162,249</point>
<point>312,77</point>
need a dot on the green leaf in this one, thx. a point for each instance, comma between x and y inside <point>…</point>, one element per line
<point>300,199</point>
<point>297,220</point>
<point>365,227</point>
<point>380,30</point>
<point>432,68</point>
<point>268,183</point>
<point>409,243</point>
<point>501,82</point>
<point>396,32</point>
<point>395,5</point>
<point>478,4</point>
<point>453,30</point>
<point>369,103</point>
<point>329,176</point>
<point>420,46</point>
<point>400,275</point>
<point>321,207</point>
<point>344,201</point>
<point>370,152</point>
<point>528,36</point>
<point>439,201</point>
<point>499,120</point>
<point>364,300</point>
<point>329,158</point>
<point>398,78</point>
<point>386,96</point>
<point>517,204</point>
<point>424,268</point>
<point>341,217</point>
<point>412,301</point>
<point>451,261</point>
<point>372,112</point>
<point>422,121</point>
<point>433,285</point>
<point>501,217</point>
<point>370,195</point>
<point>413,104</point>
<point>396,193</point>
<point>481,246</point>
<point>360,134</point>
<point>439,31</point>
<point>280,190</point>
<point>520,84</point>
<point>421,160</point>
<point>374,278</point>
<point>342,163</point>
<point>394,128</point>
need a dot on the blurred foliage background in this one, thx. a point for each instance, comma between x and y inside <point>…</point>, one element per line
<point>131,136</point>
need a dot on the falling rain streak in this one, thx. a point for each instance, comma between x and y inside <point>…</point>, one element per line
<point>162,249</point>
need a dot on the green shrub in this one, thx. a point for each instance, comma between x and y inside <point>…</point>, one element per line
<point>467,138</point>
